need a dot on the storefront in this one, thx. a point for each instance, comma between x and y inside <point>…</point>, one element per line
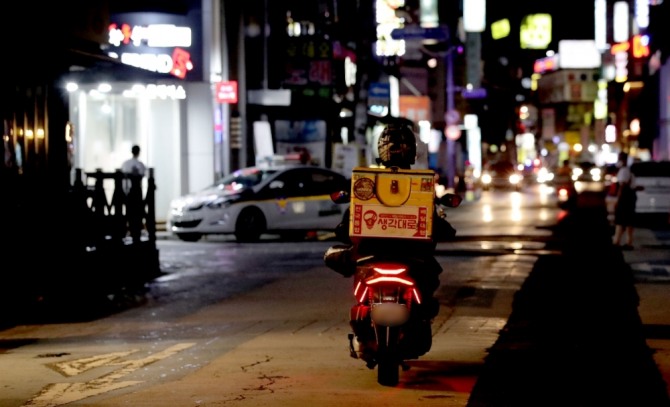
<point>151,93</point>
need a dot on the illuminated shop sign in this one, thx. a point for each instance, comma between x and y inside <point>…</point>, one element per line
<point>535,31</point>
<point>624,53</point>
<point>578,54</point>
<point>620,53</point>
<point>640,46</point>
<point>500,29</point>
<point>154,47</point>
<point>546,64</point>
<point>153,91</point>
<point>226,92</point>
<point>387,21</point>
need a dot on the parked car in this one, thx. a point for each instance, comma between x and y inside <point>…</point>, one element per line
<point>252,201</point>
<point>653,199</point>
<point>501,175</point>
<point>654,178</point>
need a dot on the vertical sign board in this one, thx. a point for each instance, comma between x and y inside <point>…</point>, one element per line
<point>226,92</point>
<point>415,108</point>
<point>379,98</point>
<point>263,145</point>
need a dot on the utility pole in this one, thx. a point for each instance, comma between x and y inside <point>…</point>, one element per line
<point>452,118</point>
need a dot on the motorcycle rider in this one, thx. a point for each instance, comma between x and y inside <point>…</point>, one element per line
<point>396,148</point>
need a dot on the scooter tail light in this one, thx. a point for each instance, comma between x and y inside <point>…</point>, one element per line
<point>389,279</point>
<point>362,297</point>
<point>417,297</point>
<point>390,269</point>
<point>358,286</point>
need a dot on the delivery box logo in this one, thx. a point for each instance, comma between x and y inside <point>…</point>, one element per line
<point>370,217</point>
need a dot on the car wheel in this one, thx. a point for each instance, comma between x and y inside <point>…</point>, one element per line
<point>189,237</point>
<point>250,225</point>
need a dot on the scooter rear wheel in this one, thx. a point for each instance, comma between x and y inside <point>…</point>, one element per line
<point>388,371</point>
<point>388,359</point>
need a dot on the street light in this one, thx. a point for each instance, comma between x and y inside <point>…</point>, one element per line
<point>452,117</point>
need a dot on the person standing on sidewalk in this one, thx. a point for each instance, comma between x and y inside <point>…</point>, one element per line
<point>133,165</point>
<point>134,170</point>
<point>624,210</point>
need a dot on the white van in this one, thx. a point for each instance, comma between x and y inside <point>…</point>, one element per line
<point>654,177</point>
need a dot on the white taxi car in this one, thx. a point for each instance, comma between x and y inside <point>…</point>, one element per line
<point>252,201</point>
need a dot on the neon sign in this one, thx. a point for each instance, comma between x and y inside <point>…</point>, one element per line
<point>640,46</point>
<point>177,62</point>
<point>620,52</point>
<point>153,35</point>
<point>226,92</point>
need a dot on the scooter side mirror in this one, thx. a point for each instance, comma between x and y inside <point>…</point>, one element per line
<point>340,197</point>
<point>450,200</point>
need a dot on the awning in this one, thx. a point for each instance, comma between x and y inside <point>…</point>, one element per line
<point>90,67</point>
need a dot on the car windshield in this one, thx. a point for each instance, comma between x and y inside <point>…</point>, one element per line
<point>244,178</point>
<point>501,167</point>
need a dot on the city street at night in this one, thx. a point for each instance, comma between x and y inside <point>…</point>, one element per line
<point>531,314</point>
<point>176,174</point>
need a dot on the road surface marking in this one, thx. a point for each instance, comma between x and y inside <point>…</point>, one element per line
<point>56,394</point>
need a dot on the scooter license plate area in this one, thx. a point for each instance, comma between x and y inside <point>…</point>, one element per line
<point>389,314</point>
<point>391,293</point>
<point>384,294</point>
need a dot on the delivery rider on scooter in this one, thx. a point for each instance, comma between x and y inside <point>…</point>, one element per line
<point>397,148</point>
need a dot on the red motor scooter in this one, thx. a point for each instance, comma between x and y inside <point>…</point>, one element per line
<point>394,280</point>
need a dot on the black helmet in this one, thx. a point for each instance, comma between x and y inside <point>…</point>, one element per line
<point>397,146</point>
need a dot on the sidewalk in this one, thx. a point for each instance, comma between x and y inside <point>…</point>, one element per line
<point>650,263</point>
<point>584,330</point>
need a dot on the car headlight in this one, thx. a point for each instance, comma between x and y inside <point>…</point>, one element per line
<point>222,202</point>
<point>544,175</point>
<point>596,174</point>
<point>486,178</point>
<point>576,173</point>
<point>196,204</point>
<point>514,179</point>
<point>178,206</point>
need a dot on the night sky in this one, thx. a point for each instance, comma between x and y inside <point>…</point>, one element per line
<point>505,63</point>
<point>571,19</point>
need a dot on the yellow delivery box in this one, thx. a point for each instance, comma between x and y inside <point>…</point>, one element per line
<point>391,203</point>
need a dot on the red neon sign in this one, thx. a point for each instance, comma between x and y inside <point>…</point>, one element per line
<point>181,63</point>
<point>226,92</point>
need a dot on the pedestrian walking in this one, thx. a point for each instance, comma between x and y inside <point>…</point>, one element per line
<point>624,210</point>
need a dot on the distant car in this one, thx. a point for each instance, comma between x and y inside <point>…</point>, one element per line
<point>544,176</point>
<point>501,175</point>
<point>252,201</point>
<point>587,176</point>
<point>584,176</point>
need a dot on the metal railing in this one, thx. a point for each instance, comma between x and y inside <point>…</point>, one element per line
<point>126,214</point>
